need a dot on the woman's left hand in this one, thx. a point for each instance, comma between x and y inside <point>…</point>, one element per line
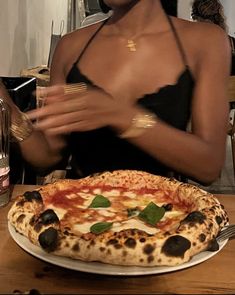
<point>92,109</point>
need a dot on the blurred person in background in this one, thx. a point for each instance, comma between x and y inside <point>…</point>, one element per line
<point>212,11</point>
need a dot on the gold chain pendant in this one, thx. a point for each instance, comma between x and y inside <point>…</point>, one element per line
<point>131,45</point>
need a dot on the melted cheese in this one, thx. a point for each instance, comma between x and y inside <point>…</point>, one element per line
<point>117,226</point>
<point>134,224</point>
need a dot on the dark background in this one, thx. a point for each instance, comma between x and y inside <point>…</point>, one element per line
<point>170,6</point>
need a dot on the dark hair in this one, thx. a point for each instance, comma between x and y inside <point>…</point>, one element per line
<point>170,7</point>
<point>104,8</point>
<point>210,10</point>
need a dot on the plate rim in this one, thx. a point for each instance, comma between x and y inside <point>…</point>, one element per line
<point>104,268</point>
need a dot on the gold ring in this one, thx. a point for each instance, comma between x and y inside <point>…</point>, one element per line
<point>75,88</point>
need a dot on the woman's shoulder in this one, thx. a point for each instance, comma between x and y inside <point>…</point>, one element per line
<point>200,30</point>
<point>201,35</point>
<point>80,35</point>
<point>71,44</point>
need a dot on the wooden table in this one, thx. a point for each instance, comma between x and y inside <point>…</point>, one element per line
<point>21,271</point>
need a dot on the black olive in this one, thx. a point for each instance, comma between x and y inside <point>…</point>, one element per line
<point>48,217</point>
<point>48,239</point>
<point>167,207</point>
<point>34,195</point>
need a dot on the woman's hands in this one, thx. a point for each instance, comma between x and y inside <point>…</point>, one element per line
<point>91,109</point>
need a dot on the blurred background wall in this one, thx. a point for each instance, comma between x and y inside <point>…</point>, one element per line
<point>25,28</point>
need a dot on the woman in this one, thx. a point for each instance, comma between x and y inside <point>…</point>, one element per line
<point>212,11</point>
<point>146,78</point>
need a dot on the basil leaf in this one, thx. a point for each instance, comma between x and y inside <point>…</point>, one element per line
<point>100,201</point>
<point>152,213</point>
<point>132,212</point>
<point>100,227</point>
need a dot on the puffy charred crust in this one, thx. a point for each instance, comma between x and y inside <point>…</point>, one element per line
<point>48,217</point>
<point>213,245</point>
<point>48,239</point>
<point>34,195</point>
<point>176,246</point>
<point>195,217</point>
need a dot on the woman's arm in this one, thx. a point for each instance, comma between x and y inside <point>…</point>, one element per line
<point>199,154</point>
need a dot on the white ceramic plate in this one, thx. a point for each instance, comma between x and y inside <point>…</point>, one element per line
<point>102,268</point>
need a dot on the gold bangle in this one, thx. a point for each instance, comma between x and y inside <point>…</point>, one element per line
<point>139,124</point>
<point>21,128</point>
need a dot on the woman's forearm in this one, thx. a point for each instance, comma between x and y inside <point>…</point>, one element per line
<point>40,151</point>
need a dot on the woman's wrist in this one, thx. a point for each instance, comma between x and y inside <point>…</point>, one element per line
<point>21,126</point>
<point>140,123</point>
<point>135,122</point>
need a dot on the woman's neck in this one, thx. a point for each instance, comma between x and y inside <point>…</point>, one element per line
<point>139,17</point>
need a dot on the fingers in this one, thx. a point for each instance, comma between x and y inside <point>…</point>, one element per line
<point>60,120</point>
<point>58,108</point>
<point>76,126</point>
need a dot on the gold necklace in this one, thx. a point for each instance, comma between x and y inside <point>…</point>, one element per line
<point>131,45</point>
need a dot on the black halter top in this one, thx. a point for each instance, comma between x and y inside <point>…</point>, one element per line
<point>101,150</point>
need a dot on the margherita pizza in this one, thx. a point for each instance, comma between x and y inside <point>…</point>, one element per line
<point>122,217</point>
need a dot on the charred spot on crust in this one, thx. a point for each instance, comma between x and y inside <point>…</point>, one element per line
<point>176,246</point>
<point>167,207</point>
<point>150,258</point>
<point>202,237</point>
<point>76,247</point>
<point>112,242</point>
<point>20,218</point>
<point>148,249</point>
<point>32,220</point>
<point>48,239</point>
<point>118,246</point>
<point>142,240</point>
<point>34,195</point>
<point>48,217</point>
<point>66,233</point>
<point>213,245</point>
<point>130,243</point>
<point>218,219</point>
<point>37,227</point>
<point>92,243</point>
<point>102,249</point>
<point>20,203</point>
<point>195,216</point>
<point>124,253</point>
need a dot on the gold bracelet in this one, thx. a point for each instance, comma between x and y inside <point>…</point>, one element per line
<point>139,124</point>
<point>21,128</point>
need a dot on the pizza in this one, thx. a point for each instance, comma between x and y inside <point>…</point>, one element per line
<point>124,217</point>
